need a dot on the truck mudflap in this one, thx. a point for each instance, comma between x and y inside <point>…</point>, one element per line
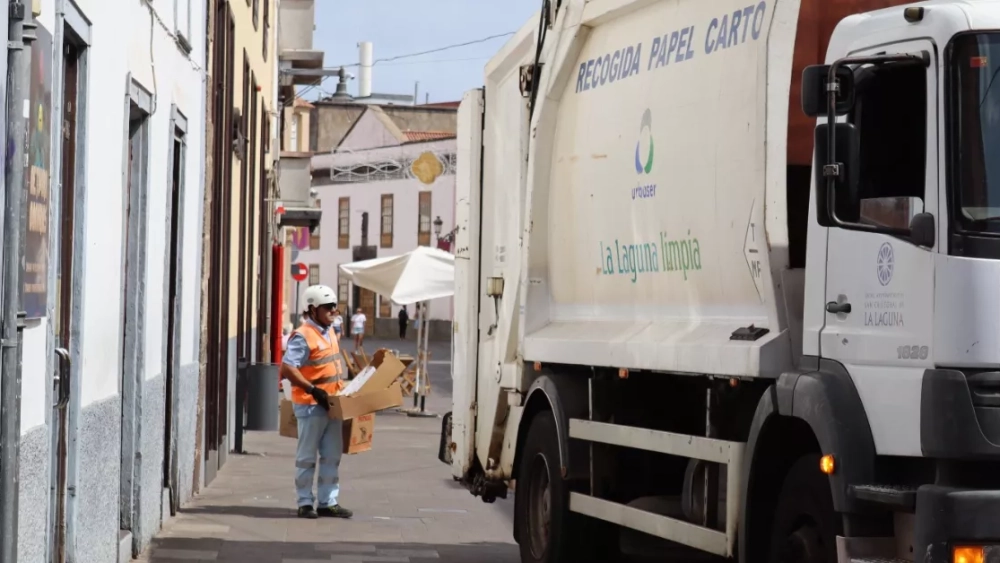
<point>444,447</point>
<point>949,518</point>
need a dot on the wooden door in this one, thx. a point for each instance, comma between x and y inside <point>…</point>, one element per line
<point>367,304</point>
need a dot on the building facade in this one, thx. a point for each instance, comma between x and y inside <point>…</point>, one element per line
<point>243,104</point>
<point>384,190</point>
<point>112,257</point>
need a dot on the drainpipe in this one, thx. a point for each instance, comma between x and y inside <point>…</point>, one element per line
<point>21,34</point>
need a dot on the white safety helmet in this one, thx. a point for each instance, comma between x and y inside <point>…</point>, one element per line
<point>317,295</point>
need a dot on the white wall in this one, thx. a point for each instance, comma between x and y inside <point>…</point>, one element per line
<point>178,81</point>
<point>101,330</point>
<point>111,56</point>
<point>368,197</point>
<point>105,124</point>
<point>369,132</point>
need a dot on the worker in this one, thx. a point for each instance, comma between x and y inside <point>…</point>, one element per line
<point>312,364</point>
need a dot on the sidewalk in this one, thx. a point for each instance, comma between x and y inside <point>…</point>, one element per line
<point>407,508</point>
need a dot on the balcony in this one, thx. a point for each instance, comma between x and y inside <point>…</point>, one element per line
<point>296,56</point>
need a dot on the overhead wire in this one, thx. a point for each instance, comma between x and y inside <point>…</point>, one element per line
<point>319,81</point>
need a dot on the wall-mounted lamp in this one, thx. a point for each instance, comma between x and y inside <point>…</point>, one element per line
<point>438,224</point>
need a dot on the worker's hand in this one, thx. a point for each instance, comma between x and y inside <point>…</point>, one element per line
<point>322,397</point>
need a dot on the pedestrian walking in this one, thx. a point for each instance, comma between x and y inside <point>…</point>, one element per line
<point>312,365</point>
<point>338,324</point>
<point>358,328</point>
<point>404,320</point>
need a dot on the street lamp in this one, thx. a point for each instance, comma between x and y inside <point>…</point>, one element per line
<point>438,224</point>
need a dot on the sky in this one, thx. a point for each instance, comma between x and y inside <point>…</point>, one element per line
<point>401,27</point>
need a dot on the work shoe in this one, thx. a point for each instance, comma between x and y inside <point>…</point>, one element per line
<point>335,511</point>
<point>307,512</point>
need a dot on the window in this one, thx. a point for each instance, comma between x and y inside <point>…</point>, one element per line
<point>975,122</point>
<point>424,219</point>
<point>267,26</point>
<point>314,235</point>
<point>313,274</point>
<point>343,288</point>
<point>293,140</point>
<point>384,307</point>
<point>386,241</point>
<point>890,117</point>
<point>266,120</point>
<point>344,223</point>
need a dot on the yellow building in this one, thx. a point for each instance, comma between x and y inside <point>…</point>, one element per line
<point>237,240</point>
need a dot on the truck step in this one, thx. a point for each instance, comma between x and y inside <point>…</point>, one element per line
<point>897,497</point>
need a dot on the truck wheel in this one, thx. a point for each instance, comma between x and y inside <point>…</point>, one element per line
<point>805,524</point>
<point>548,532</point>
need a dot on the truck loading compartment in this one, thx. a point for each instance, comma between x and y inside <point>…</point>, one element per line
<point>660,329</point>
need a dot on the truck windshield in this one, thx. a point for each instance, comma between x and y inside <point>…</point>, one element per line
<point>975,94</point>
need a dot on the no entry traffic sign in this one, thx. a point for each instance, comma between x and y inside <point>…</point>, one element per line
<point>299,271</point>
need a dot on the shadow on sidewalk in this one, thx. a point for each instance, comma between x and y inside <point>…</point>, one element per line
<point>250,511</point>
<point>169,550</point>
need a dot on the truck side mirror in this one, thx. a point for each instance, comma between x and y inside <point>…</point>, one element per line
<point>922,230</point>
<point>847,183</point>
<point>814,93</point>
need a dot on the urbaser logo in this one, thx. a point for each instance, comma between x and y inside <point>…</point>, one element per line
<point>644,146</point>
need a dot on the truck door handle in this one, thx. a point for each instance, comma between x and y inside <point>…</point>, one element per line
<point>838,308</point>
<point>62,381</point>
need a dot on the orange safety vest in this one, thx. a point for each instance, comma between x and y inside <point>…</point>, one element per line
<point>322,368</point>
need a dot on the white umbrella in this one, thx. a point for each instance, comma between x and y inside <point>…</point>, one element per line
<point>415,277</point>
<point>419,275</point>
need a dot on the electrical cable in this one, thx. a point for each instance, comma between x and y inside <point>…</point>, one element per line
<point>319,81</point>
<point>436,61</point>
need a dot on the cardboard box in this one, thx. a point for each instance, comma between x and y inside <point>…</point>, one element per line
<point>287,425</point>
<point>357,432</point>
<point>381,391</point>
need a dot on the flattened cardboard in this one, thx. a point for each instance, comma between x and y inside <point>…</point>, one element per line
<point>381,391</point>
<point>358,434</point>
<point>365,403</point>
<point>386,374</point>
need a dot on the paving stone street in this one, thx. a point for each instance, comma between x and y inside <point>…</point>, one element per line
<point>407,507</point>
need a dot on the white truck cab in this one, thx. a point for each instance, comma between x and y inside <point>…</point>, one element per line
<point>728,274</point>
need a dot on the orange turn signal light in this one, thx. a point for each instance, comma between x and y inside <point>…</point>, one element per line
<point>968,554</point>
<point>827,464</point>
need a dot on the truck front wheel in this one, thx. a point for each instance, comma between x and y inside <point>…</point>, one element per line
<point>547,531</point>
<point>805,524</point>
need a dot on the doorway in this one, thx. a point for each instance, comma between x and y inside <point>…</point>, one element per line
<point>133,318</point>
<point>68,250</point>
<point>172,303</point>
<point>364,300</point>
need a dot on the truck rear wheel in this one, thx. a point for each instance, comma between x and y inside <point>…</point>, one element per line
<point>805,524</point>
<point>547,531</point>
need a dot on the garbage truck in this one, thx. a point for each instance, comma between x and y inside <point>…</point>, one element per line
<point>728,278</point>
